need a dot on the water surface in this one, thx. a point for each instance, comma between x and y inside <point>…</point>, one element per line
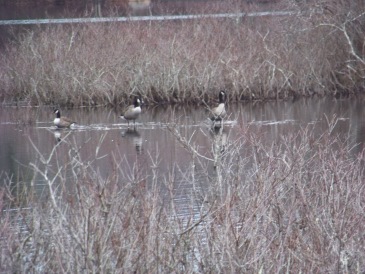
<point>103,140</point>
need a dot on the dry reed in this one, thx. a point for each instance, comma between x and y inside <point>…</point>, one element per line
<point>293,206</point>
<point>318,51</point>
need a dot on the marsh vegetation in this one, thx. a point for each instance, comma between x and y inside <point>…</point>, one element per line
<point>296,205</point>
<point>318,51</point>
<point>251,205</point>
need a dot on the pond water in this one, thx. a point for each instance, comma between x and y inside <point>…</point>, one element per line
<point>103,141</point>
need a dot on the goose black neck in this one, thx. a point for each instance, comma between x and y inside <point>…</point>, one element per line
<point>137,102</point>
<point>221,98</point>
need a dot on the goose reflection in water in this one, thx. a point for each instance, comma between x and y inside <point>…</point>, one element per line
<point>60,134</point>
<point>136,138</point>
<point>57,135</point>
<point>220,140</point>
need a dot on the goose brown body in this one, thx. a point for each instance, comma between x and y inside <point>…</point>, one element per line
<point>219,112</point>
<point>133,111</point>
<point>61,121</point>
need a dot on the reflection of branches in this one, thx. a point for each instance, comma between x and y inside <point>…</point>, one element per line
<point>50,181</point>
<point>187,144</point>
<point>279,202</point>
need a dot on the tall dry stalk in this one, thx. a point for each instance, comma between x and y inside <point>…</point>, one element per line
<point>295,205</point>
<point>318,50</point>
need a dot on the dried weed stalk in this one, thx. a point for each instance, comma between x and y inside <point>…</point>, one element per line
<point>317,50</point>
<point>296,205</point>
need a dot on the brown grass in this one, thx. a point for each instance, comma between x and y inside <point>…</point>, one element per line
<point>296,206</point>
<point>320,51</point>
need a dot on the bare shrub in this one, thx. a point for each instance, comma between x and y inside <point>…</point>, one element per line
<point>316,50</point>
<point>296,205</point>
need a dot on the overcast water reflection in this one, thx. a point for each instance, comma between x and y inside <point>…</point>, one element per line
<point>103,141</point>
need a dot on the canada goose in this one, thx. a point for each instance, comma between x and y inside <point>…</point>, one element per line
<point>62,122</point>
<point>133,111</point>
<point>219,112</point>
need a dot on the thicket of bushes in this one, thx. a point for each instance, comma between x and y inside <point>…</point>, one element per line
<point>320,50</point>
<point>296,206</point>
